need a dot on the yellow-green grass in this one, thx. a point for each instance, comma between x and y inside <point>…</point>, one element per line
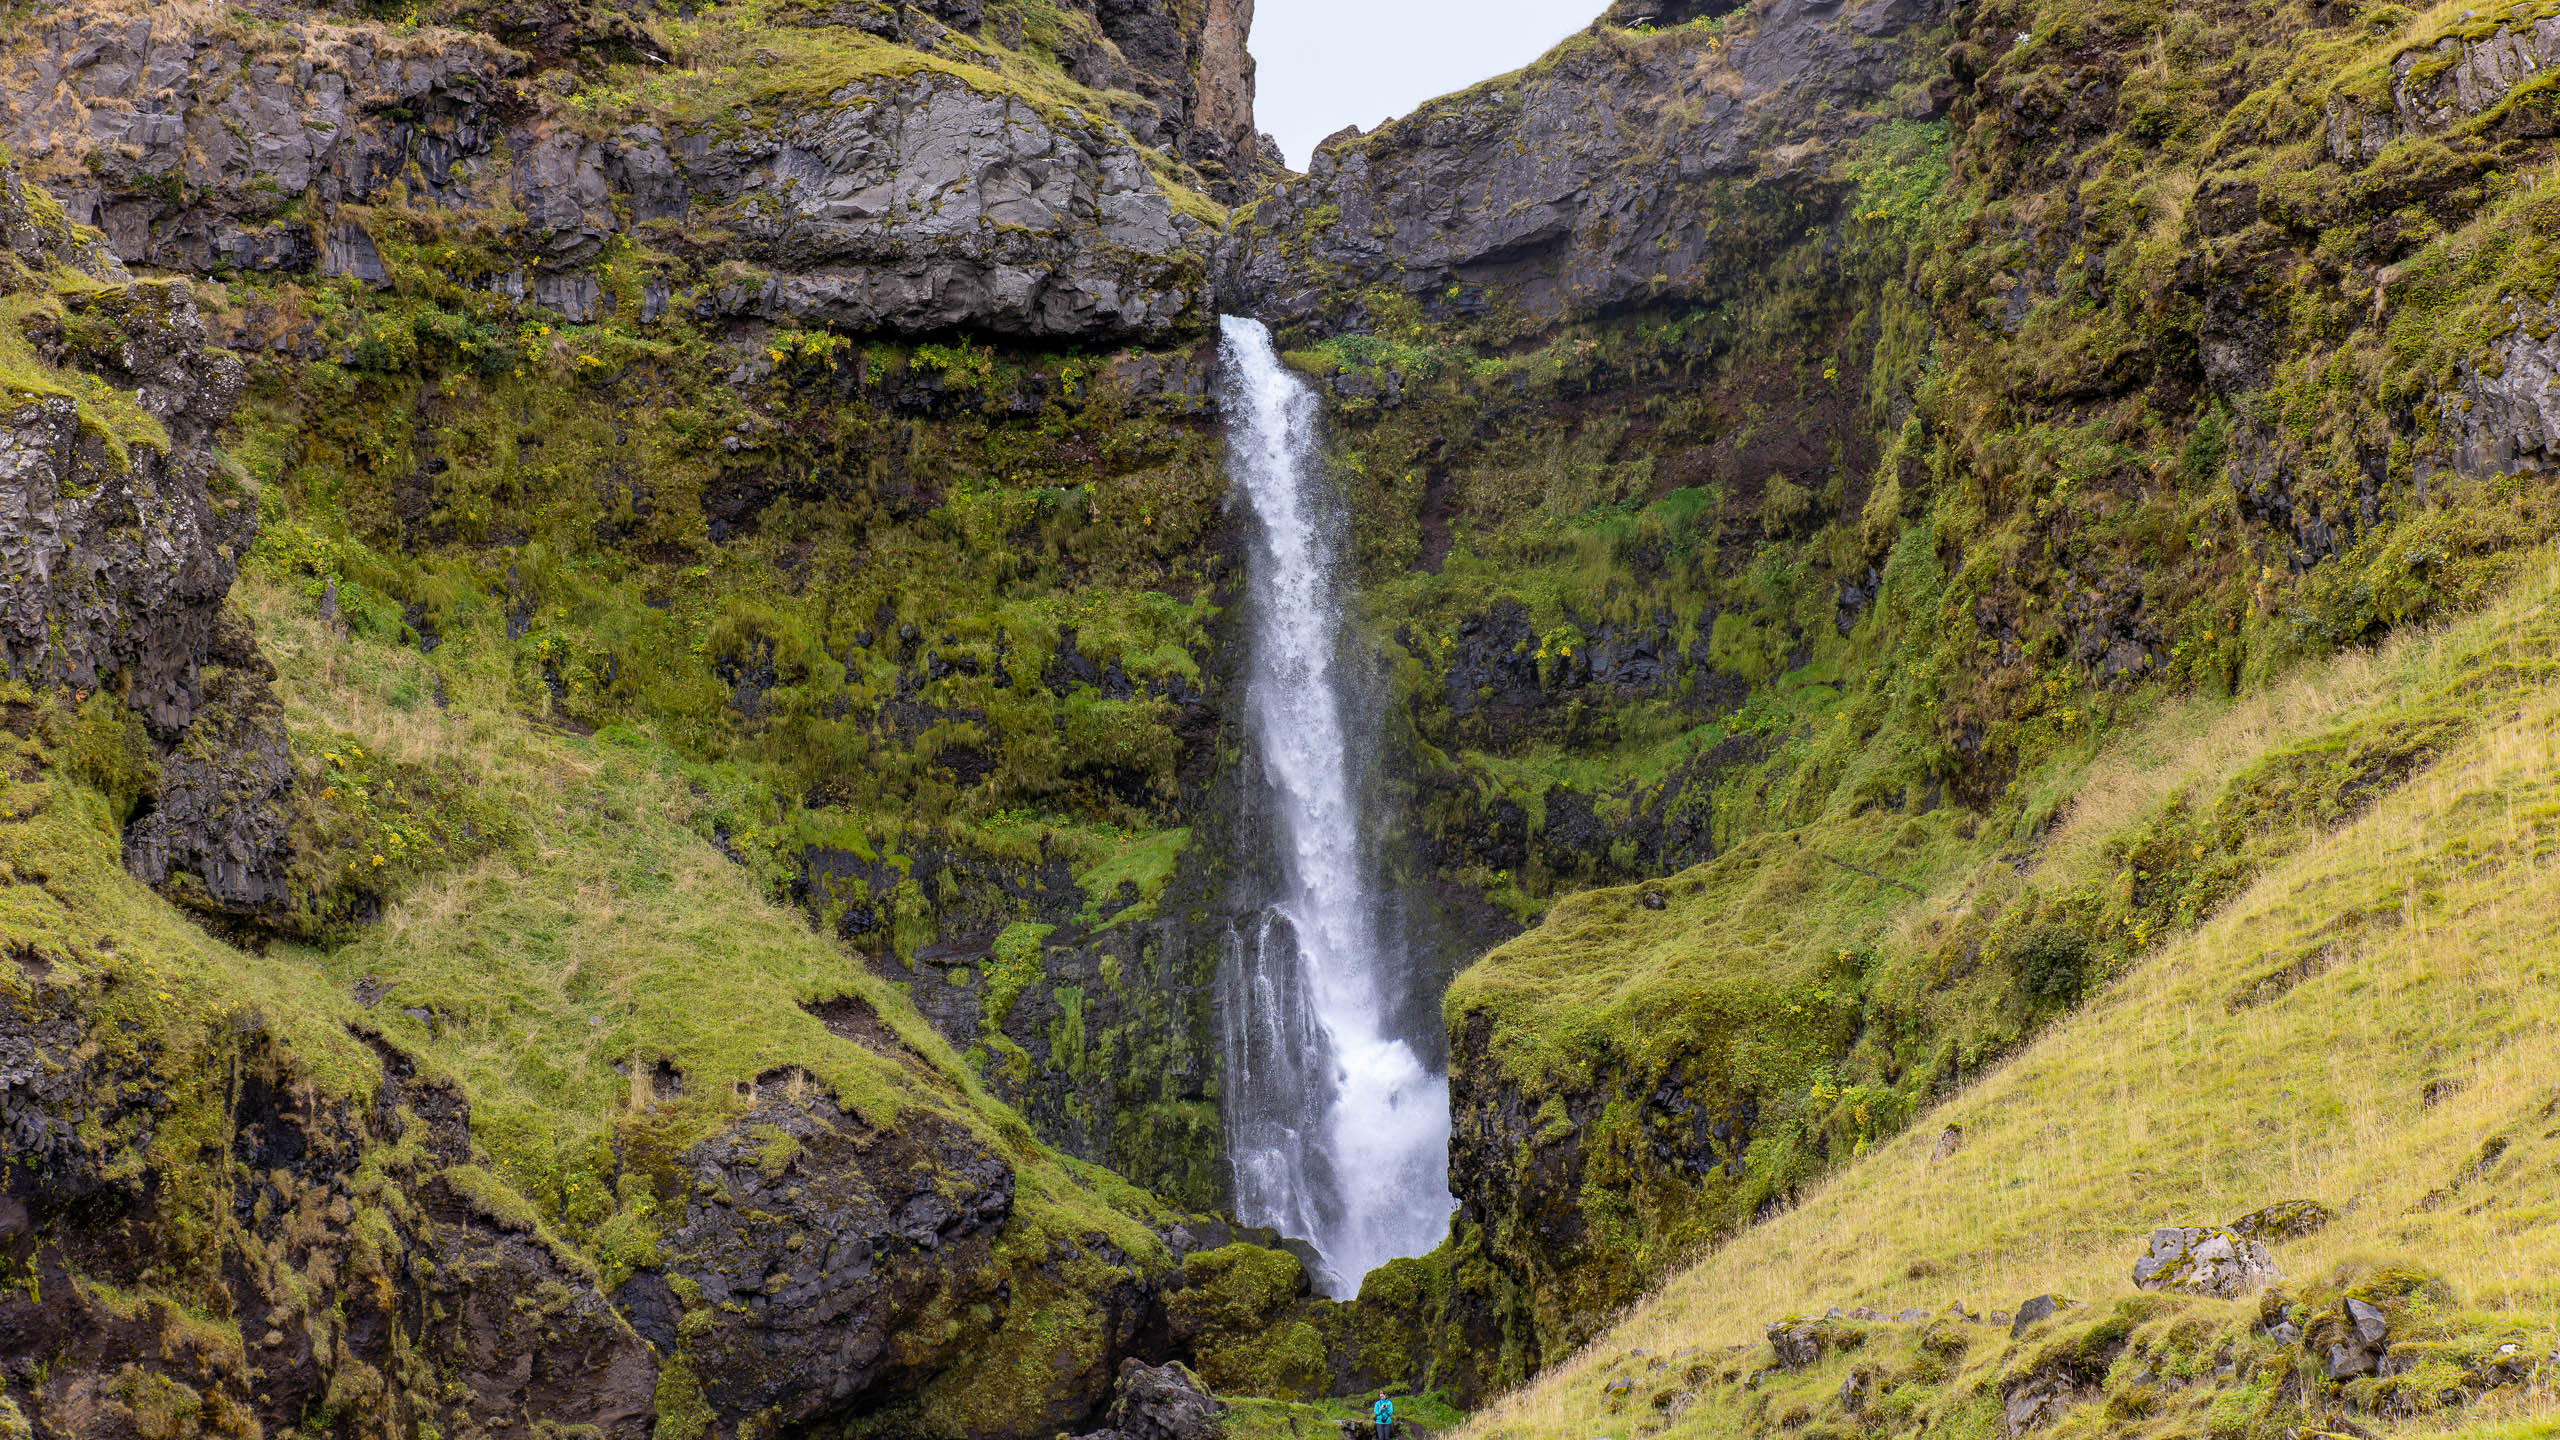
<point>2167,1101</point>
<point>607,936</point>
<point>551,971</point>
<point>1781,904</point>
<point>603,936</point>
<point>115,417</point>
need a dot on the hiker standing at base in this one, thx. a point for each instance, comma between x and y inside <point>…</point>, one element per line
<point>1384,1412</point>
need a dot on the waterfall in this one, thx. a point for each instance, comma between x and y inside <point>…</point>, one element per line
<point>1338,1128</point>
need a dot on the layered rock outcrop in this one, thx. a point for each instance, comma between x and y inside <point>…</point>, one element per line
<point>2433,89</point>
<point>365,1252</point>
<point>915,190</point>
<point>362,1255</point>
<point>325,1280</point>
<point>1621,170</point>
<point>121,529</point>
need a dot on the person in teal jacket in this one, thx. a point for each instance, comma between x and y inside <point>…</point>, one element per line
<point>1384,1412</point>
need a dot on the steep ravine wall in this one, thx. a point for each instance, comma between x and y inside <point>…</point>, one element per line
<point>478,335</point>
<point>1764,499</point>
<point>2074,371</point>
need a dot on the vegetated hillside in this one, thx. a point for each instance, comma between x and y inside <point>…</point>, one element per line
<point>2099,356</point>
<point>535,320</point>
<point>389,1187</point>
<point>1787,444</point>
<point>2363,1028</point>
<point>565,793</point>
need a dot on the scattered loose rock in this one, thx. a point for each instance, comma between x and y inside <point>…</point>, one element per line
<point>2358,1346</point>
<point>2041,1307</point>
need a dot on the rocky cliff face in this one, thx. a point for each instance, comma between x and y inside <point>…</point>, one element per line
<point>1800,490</point>
<point>364,1273</point>
<point>891,172</point>
<point>123,530</point>
<point>1623,170</point>
<point>1780,438</point>
<point>369,1265</point>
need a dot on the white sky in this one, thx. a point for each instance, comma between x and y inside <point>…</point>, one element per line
<point>1325,64</point>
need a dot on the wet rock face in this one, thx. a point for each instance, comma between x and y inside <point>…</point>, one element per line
<point>812,1245</point>
<point>118,554</point>
<point>1599,179</point>
<point>913,203</point>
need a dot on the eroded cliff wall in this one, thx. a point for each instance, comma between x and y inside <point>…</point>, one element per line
<point>1791,474</point>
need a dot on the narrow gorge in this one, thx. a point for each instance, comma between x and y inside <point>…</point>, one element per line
<point>829,720</point>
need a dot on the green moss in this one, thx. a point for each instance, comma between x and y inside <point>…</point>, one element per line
<point>1013,965</point>
<point>681,1410</point>
<point>1239,1302</point>
<point>493,1198</point>
<point>776,1148</point>
<point>115,418</point>
<point>1126,887</point>
<point>107,748</point>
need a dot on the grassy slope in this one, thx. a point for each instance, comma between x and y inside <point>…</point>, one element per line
<point>604,931</point>
<point>597,933</point>
<point>2164,1101</point>
<point>1793,975</point>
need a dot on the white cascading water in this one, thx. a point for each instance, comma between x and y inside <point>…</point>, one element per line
<point>1339,1130</point>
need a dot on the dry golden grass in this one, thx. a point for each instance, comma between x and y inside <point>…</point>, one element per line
<point>2163,1102</point>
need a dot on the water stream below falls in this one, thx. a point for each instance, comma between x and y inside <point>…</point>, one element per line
<point>1339,1129</point>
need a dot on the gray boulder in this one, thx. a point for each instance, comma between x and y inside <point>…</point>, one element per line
<point>2042,1307</point>
<point>2211,1260</point>
<point>1799,1344</point>
<point>2358,1341</point>
<point>1159,1402</point>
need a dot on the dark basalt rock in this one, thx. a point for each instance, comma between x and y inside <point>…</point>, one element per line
<point>116,560</point>
<point>216,835</point>
<point>862,208</point>
<point>811,1242</point>
<point>1160,1402</point>
<point>1596,180</point>
<point>400,1317</point>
